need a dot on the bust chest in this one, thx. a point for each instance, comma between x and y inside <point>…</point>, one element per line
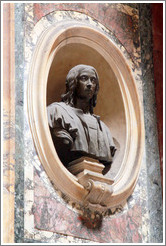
<point>92,132</point>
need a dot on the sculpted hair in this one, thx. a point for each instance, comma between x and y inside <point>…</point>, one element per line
<point>71,83</point>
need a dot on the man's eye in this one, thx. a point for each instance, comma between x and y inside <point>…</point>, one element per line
<point>93,80</point>
<point>83,78</point>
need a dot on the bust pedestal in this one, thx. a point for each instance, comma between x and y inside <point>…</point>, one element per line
<point>89,174</point>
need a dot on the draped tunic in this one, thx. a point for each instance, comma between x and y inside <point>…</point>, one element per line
<point>89,134</point>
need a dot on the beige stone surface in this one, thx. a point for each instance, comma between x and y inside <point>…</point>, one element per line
<point>8,120</point>
<point>82,163</point>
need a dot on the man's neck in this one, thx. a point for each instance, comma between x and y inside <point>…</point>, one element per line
<point>82,104</point>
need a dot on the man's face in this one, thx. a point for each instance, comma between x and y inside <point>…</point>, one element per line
<point>86,86</point>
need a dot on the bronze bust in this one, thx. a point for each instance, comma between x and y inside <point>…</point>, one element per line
<point>75,130</point>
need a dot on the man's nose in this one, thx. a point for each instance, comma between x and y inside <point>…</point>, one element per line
<point>89,84</point>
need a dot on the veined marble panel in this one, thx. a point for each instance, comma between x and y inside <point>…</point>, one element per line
<point>45,206</point>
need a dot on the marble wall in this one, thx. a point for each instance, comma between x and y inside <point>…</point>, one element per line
<point>43,214</point>
<point>8,124</point>
<point>157,31</point>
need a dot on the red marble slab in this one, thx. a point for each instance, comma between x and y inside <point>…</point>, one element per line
<point>55,216</point>
<point>124,26</point>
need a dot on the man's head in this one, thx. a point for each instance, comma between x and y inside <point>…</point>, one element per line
<point>82,81</point>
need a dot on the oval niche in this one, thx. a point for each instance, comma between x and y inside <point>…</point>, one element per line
<point>57,51</point>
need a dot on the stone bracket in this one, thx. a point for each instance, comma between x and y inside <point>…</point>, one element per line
<point>89,174</point>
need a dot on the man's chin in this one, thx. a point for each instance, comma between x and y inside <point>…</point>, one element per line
<point>85,98</point>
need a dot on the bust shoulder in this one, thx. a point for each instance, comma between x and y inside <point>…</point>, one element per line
<point>57,105</point>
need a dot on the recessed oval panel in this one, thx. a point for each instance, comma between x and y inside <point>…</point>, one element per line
<point>110,105</point>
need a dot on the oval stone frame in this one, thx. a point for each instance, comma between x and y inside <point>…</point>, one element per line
<point>47,46</point>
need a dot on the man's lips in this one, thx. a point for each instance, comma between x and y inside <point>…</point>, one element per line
<point>89,90</point>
